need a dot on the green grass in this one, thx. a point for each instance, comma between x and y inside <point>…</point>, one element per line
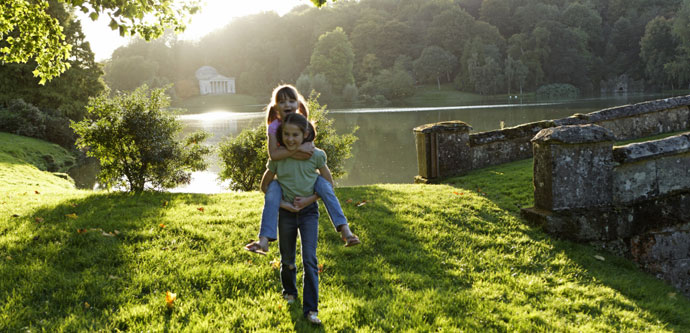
<point>453,257</point>
<point>36,152</point>
<point>207,103</point>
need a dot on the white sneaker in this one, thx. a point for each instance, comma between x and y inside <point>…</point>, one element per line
<point>312,318</point>
<point>289,298</point>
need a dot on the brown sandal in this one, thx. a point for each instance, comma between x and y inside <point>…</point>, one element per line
<point>255,247</point>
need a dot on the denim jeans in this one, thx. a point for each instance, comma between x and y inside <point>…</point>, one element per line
<point>269,216</point>
<point>306,222</point>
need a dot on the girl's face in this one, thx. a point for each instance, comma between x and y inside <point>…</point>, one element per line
<point>292,136</point>
<point>285,106</point>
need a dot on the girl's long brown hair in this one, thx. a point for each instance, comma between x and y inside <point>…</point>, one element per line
<point>281,92</point>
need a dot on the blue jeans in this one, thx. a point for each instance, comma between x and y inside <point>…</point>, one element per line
<point>269,216</point>
<point>306,221</point>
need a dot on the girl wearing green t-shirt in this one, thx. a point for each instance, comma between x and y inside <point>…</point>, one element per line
<point>296,179</point>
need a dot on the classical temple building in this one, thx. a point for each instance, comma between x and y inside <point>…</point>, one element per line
<point>212,83</point>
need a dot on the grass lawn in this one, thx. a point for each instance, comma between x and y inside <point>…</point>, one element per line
<point>453,257</point>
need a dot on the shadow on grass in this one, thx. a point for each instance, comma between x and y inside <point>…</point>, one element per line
<point>394,264</point>
<point>74,271</point>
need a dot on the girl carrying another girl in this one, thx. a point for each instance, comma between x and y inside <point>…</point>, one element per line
<point>287,100</point>
<point>296,179</point>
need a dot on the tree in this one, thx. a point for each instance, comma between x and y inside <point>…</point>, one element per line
<point>498,14</point>
<point>657,48</point>
<point>66,95</point>
<point>333,57</point>
<point>485,74</point>
<point>29,32</point>
<point>450,29</point>
<point>433,63</point>
<point>135,141</point>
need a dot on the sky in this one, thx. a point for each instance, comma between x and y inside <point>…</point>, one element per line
<point>214,15</point>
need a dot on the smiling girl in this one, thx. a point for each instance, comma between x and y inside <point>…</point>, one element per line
<point>297,179</point>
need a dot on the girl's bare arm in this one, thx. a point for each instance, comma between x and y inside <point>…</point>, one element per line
<point>278,153</point>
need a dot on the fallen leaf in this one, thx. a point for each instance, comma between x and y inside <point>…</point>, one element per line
<point>201,209</point>
<point>600,258</point>
<point>280,306</point>
<point>87,305</point>
<point>8,258</point>
<point>456,193</point>
<point>672,295</point>
<point>81,231</point>
<point>113,277</point>
<point>320,268</point>
<point>275,264</point>
<point>107,234</point>
<point>170,299</point>
<point>162,225</point>
<point>362,203</point>
<point>72,216</point>
<point>165,203</point>
<point>116,232</point>
<point>349,200</point>
<point>39,219</point>
<point>37,192</point>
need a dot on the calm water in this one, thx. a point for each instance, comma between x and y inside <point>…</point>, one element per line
<point>385,151</point>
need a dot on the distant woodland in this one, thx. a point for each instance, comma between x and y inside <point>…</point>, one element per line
<point>382,48</point>
<point>374,51</point>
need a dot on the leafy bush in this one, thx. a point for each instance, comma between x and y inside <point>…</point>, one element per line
<point>558,90</point>
<point>244,157</point>
<point>135,141</point>
<point>22,118</point>
<point>58,130</point>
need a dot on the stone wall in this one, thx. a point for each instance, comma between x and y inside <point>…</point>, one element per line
<point>632,199</point>
<point>512,144</point>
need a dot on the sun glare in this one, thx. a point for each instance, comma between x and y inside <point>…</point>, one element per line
<point>214,15</point>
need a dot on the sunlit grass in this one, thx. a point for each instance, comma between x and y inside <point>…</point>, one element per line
<point>452,257</point>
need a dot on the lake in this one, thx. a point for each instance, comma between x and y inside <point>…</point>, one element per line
<point>385,151</point>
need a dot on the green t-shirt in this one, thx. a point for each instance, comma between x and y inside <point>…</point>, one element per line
<point>297,177</point>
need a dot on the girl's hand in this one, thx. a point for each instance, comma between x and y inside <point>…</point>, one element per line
<point>304,151</point>
<point>307,147</point>
<point>288,206</point>
<point>300,202</point>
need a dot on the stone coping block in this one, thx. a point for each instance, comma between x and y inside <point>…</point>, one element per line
<point>574,134</point>
<point>625,111</point>
<point>634,152</point>
<point>521,131</point>
<point>444,126</point>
